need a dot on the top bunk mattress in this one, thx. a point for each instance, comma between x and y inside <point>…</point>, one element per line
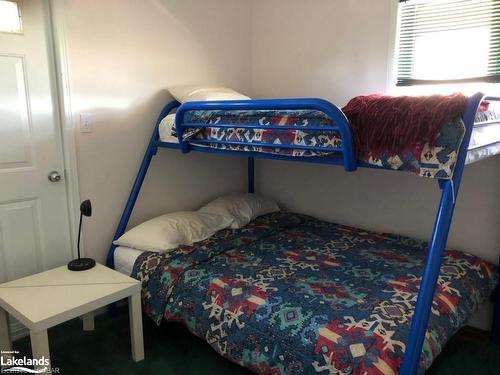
<point>485,138</point>
<point>435,161</point>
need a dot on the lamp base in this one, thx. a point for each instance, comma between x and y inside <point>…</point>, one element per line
<point>81,264</point>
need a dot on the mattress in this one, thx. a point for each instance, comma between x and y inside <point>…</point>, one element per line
<point>485,142</point>
<point>300,137</point>
<point>290,294</point>
<point>482,134</point>
<point>485,138</point>
<point>437,161</point>
<point>125,258</point>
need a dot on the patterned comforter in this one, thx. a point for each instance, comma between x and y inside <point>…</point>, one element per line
<point>436,161</point>
<point>289,294</point>
<point>302,136</point>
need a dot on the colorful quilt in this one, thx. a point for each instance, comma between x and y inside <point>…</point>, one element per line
<point>289,294</point>
<point>437,161</point>
<point>302,119</point>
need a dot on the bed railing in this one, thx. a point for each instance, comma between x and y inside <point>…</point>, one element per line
<point>340,125</point>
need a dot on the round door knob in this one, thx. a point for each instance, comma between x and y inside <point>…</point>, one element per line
<point>54,176</point>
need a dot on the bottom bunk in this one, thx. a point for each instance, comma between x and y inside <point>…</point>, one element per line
<point>290,294</point>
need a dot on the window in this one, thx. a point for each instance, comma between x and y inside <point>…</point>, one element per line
<point>448,41</point>
<point>10,19</point>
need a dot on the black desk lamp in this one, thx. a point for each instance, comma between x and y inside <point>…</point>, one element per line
<point>82,264</point>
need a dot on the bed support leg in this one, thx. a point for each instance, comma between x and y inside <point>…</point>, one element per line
<point>449,191</point>
<point>134,193</point>
<point>429,279</point>
<point>136,188</point>
<point>139,179</point>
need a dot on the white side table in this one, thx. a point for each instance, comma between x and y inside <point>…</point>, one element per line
<point>46,299</point>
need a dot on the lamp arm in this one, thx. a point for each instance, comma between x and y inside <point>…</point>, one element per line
<point>79,234</point>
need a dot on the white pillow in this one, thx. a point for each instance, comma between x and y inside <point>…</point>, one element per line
<point>167,125</point>
<point>241,208</point>
<point>190,93</point>
<point>168,231</point>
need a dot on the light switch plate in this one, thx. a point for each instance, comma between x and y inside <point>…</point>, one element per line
<point>85,123</point>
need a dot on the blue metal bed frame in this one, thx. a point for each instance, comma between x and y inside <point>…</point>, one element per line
<point>346,158</point>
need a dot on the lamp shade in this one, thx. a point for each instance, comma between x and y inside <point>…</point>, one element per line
<point>86,208</point>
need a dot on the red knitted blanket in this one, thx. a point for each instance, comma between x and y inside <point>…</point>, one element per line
<point>387,125</point>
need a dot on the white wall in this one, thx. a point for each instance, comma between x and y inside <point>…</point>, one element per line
<point>338,49</point>
<point>332,49</point>
<point>123,54</point>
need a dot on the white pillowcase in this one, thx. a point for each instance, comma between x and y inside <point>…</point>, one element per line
<point>168,231</point>
<point>190,93</point>
<point>167,125</point>
<point>241,208</point>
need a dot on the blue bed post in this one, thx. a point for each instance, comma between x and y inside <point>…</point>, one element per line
<point>139,179</point>
<point>436,248</point>
<point>251,175</point>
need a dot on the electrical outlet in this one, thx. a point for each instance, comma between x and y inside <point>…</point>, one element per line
<point>85,123</point>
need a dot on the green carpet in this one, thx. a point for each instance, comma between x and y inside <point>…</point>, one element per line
<point>171,349</point>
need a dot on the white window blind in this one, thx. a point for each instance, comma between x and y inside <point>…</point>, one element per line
<point>448,41</point>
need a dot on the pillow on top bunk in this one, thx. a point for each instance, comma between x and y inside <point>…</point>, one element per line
<point>191,93</point>
<point>169,231</point>
<point>241,208</point>
<point>166,129</point>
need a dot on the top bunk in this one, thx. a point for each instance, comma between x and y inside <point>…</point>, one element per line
<point>316,131</point>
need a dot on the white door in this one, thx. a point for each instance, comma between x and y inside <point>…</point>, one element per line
<point>34,226</point>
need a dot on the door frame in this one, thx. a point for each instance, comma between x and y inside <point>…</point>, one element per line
<point>62,89</point>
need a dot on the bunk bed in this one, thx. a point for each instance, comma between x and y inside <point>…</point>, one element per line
<point>314,131</point>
